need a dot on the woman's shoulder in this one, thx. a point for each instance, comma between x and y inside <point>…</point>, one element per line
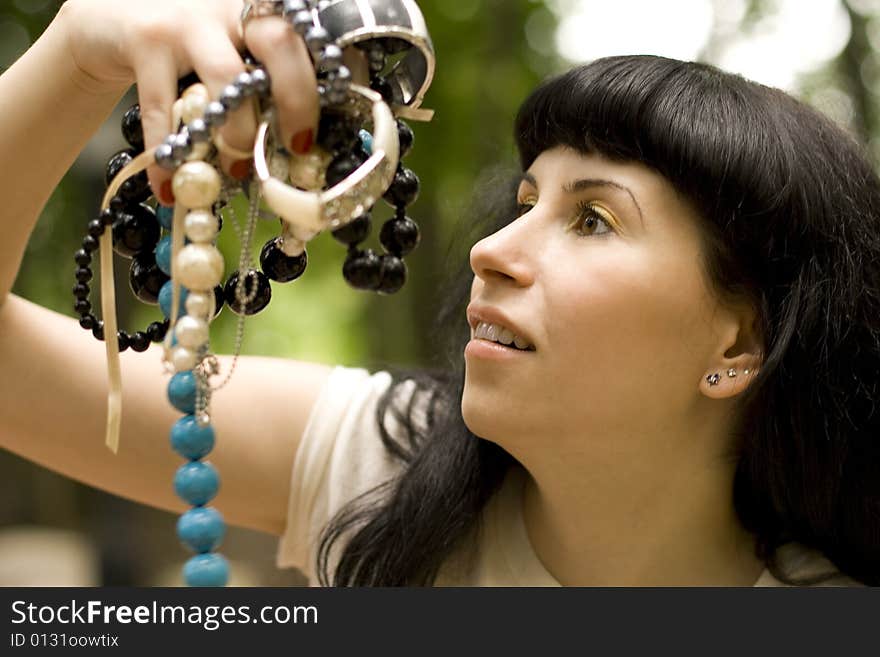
<point>343,453</point>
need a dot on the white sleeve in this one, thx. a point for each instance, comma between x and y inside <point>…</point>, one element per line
<point>340,456</point>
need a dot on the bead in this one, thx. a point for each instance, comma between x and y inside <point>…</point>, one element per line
<point>215,114</point>
<point>200,305</point>
<point>95,228</point>
<point>182,392</point>
<point>316,38</point>
<point>302,22</point>
<point>88,322</point>
<point>140,342</point>
<point>136,189</point>
<point>116,163</point>
<point>201,226</point>
<point>201,529</point>
<point>89,244</point>
<point>190,440</point>
<point>193,106</point>
<point>135,231</point>
<point>341,80</point>
<point>196,185</point>
<point>406,138</point>
<point>405,188</point>
<point>331,57</point>
<point>163,255</point>
<point>108,215</point>
<point>164,299</point>
<point>244,82</point>
<point>123,341</point>
<point>258,299</point>
<point>196,483</point>
<point>355,231</point>
<point>116,204</point>
<point>206,570</point>
<point>341,167</point>
<point>83,274</point>
<point>363,270</point>
<point>165,215</point>
<point>393,274</point>
<point>82,258</point>
<point>98,330</point>
<point>399,236</point>
<point>80,291</point>
<point>181,145</point>
<point>191,332</point>
<point>260,81</point>
<point>231,97</point>
<point>200,266</point>
<point>183,359</point>
<point>82,307</point>
<point>293,6</point>
<point>156,330</point>
<point>164,157</point>
<point>132,130</point>
<point>279,267</point>
<point>146,279</point>
<point>199,131</point>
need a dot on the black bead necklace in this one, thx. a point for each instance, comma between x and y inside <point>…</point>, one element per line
<point>137,230</point>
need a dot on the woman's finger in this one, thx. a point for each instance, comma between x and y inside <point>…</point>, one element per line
<point>157,91</point>
<point>294,87</point>
<point>218,63</point>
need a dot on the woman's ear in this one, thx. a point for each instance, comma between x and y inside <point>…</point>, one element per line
<point>738,358</point>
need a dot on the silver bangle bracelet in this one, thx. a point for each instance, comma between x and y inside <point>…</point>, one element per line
<point>352,22</point>
<point>316,211</point>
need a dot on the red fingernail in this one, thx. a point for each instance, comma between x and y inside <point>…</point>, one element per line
<point>166,196</point>
<point>302,141</point>
<point>241,169</point>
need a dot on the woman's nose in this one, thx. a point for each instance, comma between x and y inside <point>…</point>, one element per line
<point>505,255</point>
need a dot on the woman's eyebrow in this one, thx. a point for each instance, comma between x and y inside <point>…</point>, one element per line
<point>581,184</point>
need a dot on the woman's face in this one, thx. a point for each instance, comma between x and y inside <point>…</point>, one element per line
<point>602,273</point>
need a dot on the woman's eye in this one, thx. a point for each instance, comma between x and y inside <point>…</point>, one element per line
<point>590,221</point>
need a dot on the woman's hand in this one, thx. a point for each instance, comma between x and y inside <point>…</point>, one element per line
<point>155,42</point>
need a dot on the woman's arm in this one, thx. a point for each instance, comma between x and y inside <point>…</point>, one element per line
<point>53,399</point>
<point>53,382</point>
<point>49,109</point>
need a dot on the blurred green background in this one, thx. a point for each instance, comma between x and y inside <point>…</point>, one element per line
<point>490,54</point>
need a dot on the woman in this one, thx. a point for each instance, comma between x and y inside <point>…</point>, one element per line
<point>686,272</point>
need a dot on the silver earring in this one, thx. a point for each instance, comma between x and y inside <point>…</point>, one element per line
<point>731,373</point>
<point>713,379</point>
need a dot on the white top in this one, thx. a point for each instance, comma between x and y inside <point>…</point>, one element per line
<point>341,455</point>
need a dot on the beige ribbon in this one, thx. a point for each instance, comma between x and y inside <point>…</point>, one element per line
<point>108,304</point>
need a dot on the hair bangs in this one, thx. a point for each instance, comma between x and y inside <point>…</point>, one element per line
<point>702,129</point>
